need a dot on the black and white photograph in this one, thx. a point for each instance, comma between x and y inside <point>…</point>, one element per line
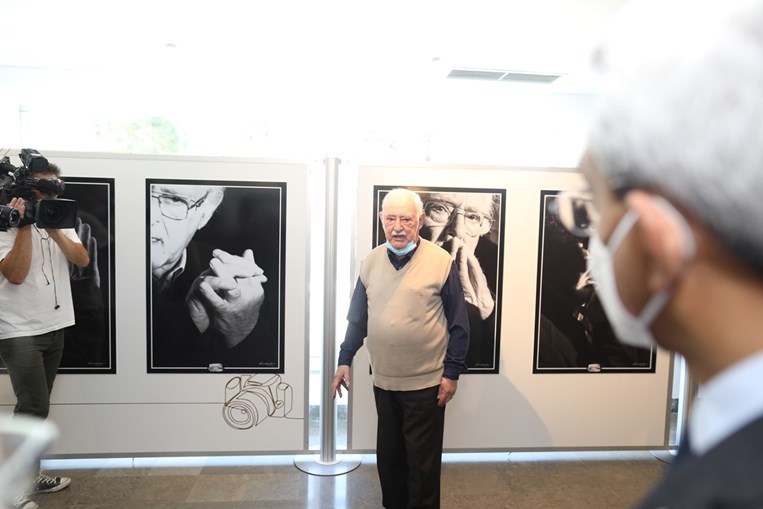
<point>90,344</point>
<point>572,333</point>
<point>216,269</point>
<point>469,224</point>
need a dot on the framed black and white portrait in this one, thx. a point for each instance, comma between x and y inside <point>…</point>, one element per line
<point>216,258</point>
<point>572,333</point>
<point>469,224</point>
<point>90,344</point>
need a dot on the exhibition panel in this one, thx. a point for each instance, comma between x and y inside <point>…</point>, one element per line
<point>203,276</point>
<point>185,375</point>
<point>514,406</point>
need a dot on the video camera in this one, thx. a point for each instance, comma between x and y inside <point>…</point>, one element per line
<point>19,182</point>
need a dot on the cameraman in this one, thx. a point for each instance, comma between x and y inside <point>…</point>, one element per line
<point>36,303</point>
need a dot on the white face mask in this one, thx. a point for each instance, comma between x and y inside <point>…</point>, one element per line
<point>630,330</point>
<point>403,250</point>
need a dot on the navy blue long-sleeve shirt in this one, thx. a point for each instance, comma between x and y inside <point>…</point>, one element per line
<point>454,307</point>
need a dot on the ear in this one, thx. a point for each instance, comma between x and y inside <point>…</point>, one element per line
<point>486,225</point>
<point>665,235</point>
<point>422,220</point>
<point>208,208</point>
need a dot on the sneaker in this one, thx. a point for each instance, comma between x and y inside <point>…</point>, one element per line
<point>47,484</point>
<point>21,502</point>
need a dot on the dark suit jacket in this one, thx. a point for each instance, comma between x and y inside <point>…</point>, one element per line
<point>729,476</point>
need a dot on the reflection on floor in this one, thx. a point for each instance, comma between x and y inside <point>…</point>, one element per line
<point>566,480</point>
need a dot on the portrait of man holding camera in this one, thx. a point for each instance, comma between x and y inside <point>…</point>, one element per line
<point>37,244</point>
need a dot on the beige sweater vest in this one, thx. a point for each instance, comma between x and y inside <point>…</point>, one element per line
<point>407,330</point>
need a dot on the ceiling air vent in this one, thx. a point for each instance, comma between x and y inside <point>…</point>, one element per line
<point>476,75</point>
<point>507,76</point>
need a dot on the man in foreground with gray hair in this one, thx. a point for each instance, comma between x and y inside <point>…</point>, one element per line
<point>675,165</point>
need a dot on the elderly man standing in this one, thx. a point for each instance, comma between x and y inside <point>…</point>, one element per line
<point>675,165</point>
<point>409,305</point>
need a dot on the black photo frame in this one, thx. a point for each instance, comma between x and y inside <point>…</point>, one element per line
<point>251,215</point>
<point>485,340</point>
<point>572,333</point>
<point>90,344</point>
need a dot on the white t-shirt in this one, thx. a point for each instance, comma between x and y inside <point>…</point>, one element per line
<point>43,302</point>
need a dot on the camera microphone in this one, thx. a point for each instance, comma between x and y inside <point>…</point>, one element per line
<point>33,160</point>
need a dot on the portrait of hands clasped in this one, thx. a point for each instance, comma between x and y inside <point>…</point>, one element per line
<point>216,264</point>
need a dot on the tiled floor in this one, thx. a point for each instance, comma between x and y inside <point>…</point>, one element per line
<point>569,480</point>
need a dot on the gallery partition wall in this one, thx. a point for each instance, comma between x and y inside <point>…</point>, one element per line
<point>583,399</point>
<point>170,373</point>
<point>181,377</point>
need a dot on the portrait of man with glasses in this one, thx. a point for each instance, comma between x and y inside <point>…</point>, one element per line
<point>467,224</point>
<point>216,265</point>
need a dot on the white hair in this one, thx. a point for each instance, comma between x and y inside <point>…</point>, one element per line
<point>681,112</point>
<point>399,192</point>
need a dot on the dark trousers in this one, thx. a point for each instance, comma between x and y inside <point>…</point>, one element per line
<point>409,447</point>
<point>32,363</point>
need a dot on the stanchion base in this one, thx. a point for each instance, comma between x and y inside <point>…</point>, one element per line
<point>311,464</point>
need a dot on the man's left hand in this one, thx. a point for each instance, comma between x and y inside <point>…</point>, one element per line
<point>228,296</point>
<point>447,391</point>
<point>476,289</point>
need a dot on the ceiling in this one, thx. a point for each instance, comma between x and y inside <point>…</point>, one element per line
<point>288,42</point>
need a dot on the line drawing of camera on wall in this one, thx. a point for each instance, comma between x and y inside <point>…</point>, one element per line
<point>249,400</point>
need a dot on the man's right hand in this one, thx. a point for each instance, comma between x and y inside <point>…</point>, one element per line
<point>15,265</point>
<point>341,379</point>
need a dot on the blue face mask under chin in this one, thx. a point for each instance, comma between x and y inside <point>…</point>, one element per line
<point>402,251</point>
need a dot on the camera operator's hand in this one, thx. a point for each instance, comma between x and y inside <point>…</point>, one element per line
<point>90,271</point>
<point>476,290</point>
<point>15,265</point>
<point>75,252</point>
<point>18,204</point>
<point>228,296</point>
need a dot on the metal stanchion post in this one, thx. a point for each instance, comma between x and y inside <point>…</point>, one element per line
<point>328,462</point>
